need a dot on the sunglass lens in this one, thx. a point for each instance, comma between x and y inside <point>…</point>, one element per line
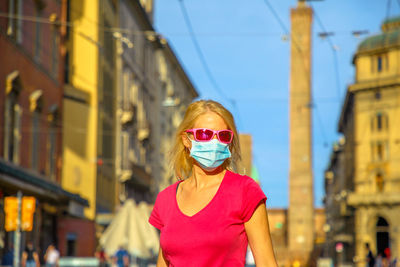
<point>204,134</point>
<point>225,136</point>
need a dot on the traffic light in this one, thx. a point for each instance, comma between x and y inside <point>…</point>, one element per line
<point>28,206</point>
<point>28,209</point>
<point>11,211</point>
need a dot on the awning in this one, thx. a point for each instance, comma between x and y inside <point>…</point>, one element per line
<point>130,229</point>
<point>16,178</point>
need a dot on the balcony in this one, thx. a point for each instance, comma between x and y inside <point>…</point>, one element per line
<point>359,199</point>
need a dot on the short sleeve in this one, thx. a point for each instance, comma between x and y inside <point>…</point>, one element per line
<point>251,198</point>
<point>155,217</point>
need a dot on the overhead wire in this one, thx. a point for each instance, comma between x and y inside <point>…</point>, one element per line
<point>128,31</point>
<point>203,60</point>
<point>388,8</point>
<point>334,51</point>
<point>295,42</point>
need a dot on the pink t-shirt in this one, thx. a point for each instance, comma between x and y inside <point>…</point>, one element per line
<point>215,236</point>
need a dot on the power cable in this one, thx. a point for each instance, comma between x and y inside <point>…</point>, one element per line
<point>294,40</point>
<point>147,32</point>
<point>334,51</point>
<point>388,9</point>
<point>203,60</point>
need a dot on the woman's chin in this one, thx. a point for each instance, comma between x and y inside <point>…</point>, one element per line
<point>209,171</point>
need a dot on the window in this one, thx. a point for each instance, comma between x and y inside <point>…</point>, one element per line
<point>35,107</point>
<point>52,143</point>
<point>379,122</point>
<point>379,181</point>
<point>125,90</point>
<point>379,63</point>
<point>12,118</point>
<point>124,150</point>
<point>379,150</point>
<point>66,68</point>
<point>14,29</point>
<point>38,35</point>
<point>68,28</point>
<point>54,51</point>
<point>71,244</point>
<point>35,140</point>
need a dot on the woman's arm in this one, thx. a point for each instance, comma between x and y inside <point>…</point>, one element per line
<point>257,230</point>
<point>161,261</point>
<point>24,257</point>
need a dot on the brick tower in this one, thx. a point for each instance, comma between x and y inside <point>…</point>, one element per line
<point>301,208</point>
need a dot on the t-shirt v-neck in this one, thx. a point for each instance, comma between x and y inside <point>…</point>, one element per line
<point>203,208</point>
<point>214,236</point>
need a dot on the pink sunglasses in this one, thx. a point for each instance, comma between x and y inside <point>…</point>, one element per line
<point>204,135</point>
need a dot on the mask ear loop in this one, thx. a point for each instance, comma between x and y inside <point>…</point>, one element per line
<point>190,140</point>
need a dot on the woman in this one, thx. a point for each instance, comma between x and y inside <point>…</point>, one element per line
<point>30,258</point>
<point>52,256</point>
<point>208,217</point>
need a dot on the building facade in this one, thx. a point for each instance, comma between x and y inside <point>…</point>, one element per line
<point>339,228</point>
<point>177,92</point>
<point>31,103</point>
<point>279,226</point>
<point>369,186</point>
<point>154,92</point>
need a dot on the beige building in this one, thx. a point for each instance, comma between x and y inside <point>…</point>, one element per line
<point>278,225</point>
<point>153,93</point>
<point>177,92</point>
<point>339,228</point>
<point>246,148</point>
<point>370,184</point>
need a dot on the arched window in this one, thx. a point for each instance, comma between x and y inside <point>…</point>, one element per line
<point>36,103</point>
<point>12,118</point>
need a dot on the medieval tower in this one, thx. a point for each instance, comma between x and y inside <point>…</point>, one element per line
<point>301,208</point>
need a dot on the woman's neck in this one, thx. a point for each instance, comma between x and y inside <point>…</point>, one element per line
<point>201,179</point>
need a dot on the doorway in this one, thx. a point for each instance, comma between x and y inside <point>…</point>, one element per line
<point>382,236</point>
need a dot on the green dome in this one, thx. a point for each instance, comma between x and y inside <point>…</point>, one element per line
<point>390,36</point>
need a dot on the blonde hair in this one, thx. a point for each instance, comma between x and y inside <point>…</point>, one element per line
<point>180,156</point>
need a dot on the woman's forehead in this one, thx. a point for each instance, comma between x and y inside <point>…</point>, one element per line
<point>210,120</point>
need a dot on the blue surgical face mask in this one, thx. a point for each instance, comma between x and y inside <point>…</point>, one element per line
<point>210,154</point>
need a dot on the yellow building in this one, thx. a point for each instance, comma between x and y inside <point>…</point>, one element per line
<point>370,121</point>
<point>88,104</point>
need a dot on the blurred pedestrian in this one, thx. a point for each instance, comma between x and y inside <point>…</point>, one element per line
<point>210,215</point>
<point>121,257</point>
<point>51,256</point>
<point>370,256</point>
<point>8,257</point>
<point>379,260</point>
<point>387,257</point>
<point>30,258</point>
<point>102,257</point>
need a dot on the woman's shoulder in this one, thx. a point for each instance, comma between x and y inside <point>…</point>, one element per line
<point>171,189</point>
<point>238,179</point>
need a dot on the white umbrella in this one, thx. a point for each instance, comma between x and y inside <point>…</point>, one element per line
<point>115,234</point>
<point>130,228</point>
<point>150,235</point>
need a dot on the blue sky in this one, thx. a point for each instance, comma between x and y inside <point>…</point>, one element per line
<point>243,46</point>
